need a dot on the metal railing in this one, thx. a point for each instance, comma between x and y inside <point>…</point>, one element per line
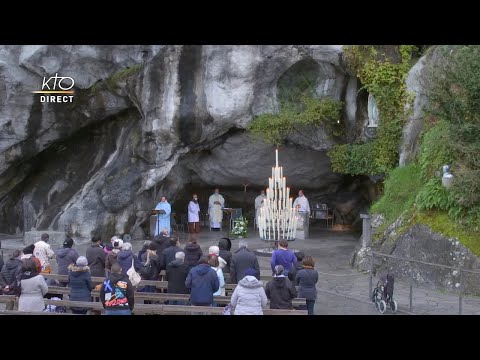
<point>374,254</point>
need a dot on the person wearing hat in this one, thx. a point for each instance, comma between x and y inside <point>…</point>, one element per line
<point>112,257</point>
<point>249,297</point>
<point>280,291</point>
<point>96,257</point>
<point>28,254</point>
<point>65,256</point>
<point>80,282</point>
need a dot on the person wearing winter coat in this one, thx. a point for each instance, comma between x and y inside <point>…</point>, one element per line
<point>117,293</point>
<point>65,257</point>
<point>193,253</point>
<point>224,246</point>
<point>143,251</point>
<point>298,266</point>
<point>125,256</point>
<point>307,279</point>
<point>33,288</point>
<point>11,269</point>
<point>242,260</point>
<point>96,257</point>
<point>112,256</point>
<point>215,265</point>
<point>28,254</point>
<point>151,269</point>
<point>249,297</point>
<point>280,291</point>
<point>80,283</point>
<point>169,253</point>
<point>203,282</point>
<point>176,274</point>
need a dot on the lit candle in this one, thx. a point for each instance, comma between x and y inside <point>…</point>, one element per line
<point>288,192</point>
<point>276,157</point>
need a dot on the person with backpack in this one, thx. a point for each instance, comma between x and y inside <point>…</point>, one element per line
<point>117,293</point>
<point>112,256</point>
<point>28,254</point>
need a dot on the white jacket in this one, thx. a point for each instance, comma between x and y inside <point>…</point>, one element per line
<point>249,297</point>
<point>43,252</point>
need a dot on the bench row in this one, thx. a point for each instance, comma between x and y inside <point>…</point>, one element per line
<point>150,309</point>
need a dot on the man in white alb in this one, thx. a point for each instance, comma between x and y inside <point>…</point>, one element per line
<point>259,202</point>
<point>216,202</point>
<point>301,202</point>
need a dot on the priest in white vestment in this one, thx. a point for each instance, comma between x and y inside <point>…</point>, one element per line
<point>301,202</point>
<point>163,220</point>
<point>216,202</point>
<point>259,202</point>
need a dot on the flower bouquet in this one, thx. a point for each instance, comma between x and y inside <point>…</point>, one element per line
<point>240,227</point>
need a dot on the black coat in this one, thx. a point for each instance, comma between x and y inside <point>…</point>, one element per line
<point>117,293</point>
<point>280,291</point>
<point>169,255</point>
<point>10,271</point>
<point>242,260</point>
<point>293,271</point>
<point>224,245</point>
<point>152,270</point>
<point>193,253</point>
<point>176,274</point>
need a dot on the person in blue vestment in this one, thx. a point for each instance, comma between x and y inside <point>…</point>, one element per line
<point>163,221</point>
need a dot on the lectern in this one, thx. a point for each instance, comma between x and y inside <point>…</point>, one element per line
<point>156,219</point>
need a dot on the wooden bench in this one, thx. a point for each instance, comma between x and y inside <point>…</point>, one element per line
<point>222,300</point>
<point>152,309</point>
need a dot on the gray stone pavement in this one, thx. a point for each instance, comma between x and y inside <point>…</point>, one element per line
<point>341,289</point>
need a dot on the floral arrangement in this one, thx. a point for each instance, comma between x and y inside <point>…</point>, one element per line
<point>240,227</point>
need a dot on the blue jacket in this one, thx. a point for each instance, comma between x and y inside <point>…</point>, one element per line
<point>286,258</point>
<point>203,282</point>
<point>65,257</point>
<point>124,258</point>
<point>80,283</point>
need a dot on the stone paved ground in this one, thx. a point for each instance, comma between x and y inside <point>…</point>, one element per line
<point>341,289</point>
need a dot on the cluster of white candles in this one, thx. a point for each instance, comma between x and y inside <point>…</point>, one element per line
<point>277,219</point>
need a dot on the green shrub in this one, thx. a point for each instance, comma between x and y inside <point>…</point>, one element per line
<point>400,189</point>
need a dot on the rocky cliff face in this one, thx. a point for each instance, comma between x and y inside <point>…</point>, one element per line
<point>145,117</point>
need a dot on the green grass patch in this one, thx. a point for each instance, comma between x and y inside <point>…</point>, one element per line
<point>401,188</point>
<point>440,222</point>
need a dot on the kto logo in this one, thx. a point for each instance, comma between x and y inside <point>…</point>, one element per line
<point>57,88</point>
